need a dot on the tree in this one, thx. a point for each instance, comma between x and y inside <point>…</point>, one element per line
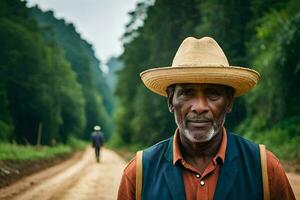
<point>143,117</point>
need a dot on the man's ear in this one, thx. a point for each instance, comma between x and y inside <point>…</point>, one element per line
<point>171,108</point>
<point>170,102</point>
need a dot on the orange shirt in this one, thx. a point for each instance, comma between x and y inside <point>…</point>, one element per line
<point>202,186</point>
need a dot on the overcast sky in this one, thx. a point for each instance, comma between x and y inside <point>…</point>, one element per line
<point>100,22</point>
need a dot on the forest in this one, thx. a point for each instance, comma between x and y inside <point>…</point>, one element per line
<point>50,78</point>
<point>261,34</point>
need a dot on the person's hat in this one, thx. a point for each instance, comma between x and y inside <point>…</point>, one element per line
<point>97,128</point>
<point>200,61</point>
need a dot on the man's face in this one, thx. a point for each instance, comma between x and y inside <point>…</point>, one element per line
<point>200,109</point>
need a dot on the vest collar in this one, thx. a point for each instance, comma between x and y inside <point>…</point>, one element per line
<point>228,170</point>
<point>173,174</point>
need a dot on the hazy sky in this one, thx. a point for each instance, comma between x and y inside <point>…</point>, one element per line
<point>100,22</point>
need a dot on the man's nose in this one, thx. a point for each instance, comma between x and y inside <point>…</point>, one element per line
<point>199,104</point>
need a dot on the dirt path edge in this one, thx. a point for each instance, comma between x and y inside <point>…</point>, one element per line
<point>13,171</point>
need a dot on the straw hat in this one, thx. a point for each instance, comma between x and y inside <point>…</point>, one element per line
<point>200,61</point>
<point>97,128</point>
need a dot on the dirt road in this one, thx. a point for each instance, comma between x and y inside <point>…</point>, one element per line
<point>82,178</point>
<point>78,178</point>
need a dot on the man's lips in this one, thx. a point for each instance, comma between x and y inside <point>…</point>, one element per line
<point>199,123</point>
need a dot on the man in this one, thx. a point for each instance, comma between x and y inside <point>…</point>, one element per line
<point>202,160</point>
<point>97,141</point>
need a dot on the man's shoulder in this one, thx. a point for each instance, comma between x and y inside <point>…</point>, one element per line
<point>241,139</point>
<point>154,148</point>
<point>159,146</point>
<point>129,170</point>
<point>130,166</point>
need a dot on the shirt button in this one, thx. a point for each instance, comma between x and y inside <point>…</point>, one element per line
<point>202,183</point>
<point>197,176</point>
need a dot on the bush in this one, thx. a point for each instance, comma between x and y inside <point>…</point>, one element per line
<point>76,144</point>
<point>26,152</point>
<point>282,139</point>
<point>14,151</point>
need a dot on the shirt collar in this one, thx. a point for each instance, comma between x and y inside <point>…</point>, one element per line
<point>177,155</point>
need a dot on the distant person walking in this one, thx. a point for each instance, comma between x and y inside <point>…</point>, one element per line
<point>97,141</point>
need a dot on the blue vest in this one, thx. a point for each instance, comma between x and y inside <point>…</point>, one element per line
<point>239,177</point>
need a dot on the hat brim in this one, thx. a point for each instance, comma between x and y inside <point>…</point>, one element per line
<point>240,78</point>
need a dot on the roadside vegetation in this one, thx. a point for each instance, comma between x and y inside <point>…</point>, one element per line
<point>17,152</point>
<point>282,139</point>
<point>51,86</point>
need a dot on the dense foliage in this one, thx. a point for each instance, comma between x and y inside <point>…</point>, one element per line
<point>143,117</point>
<point>45,85</point>
<point>263,34</point>
<point>80,54</point>
<point>274,106</point>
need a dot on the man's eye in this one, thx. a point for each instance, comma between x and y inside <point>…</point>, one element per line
<point>186,92</point>
<point>214,95</point>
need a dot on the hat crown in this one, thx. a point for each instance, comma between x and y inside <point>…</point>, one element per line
<point>199,52</point>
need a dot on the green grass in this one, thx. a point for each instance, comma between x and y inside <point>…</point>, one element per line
<point>283,138</point>
<point>20,152</point>
<point>10,151</point>
<point>77,144</point>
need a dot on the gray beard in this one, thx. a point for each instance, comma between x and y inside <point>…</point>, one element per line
<point>213,131</point>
